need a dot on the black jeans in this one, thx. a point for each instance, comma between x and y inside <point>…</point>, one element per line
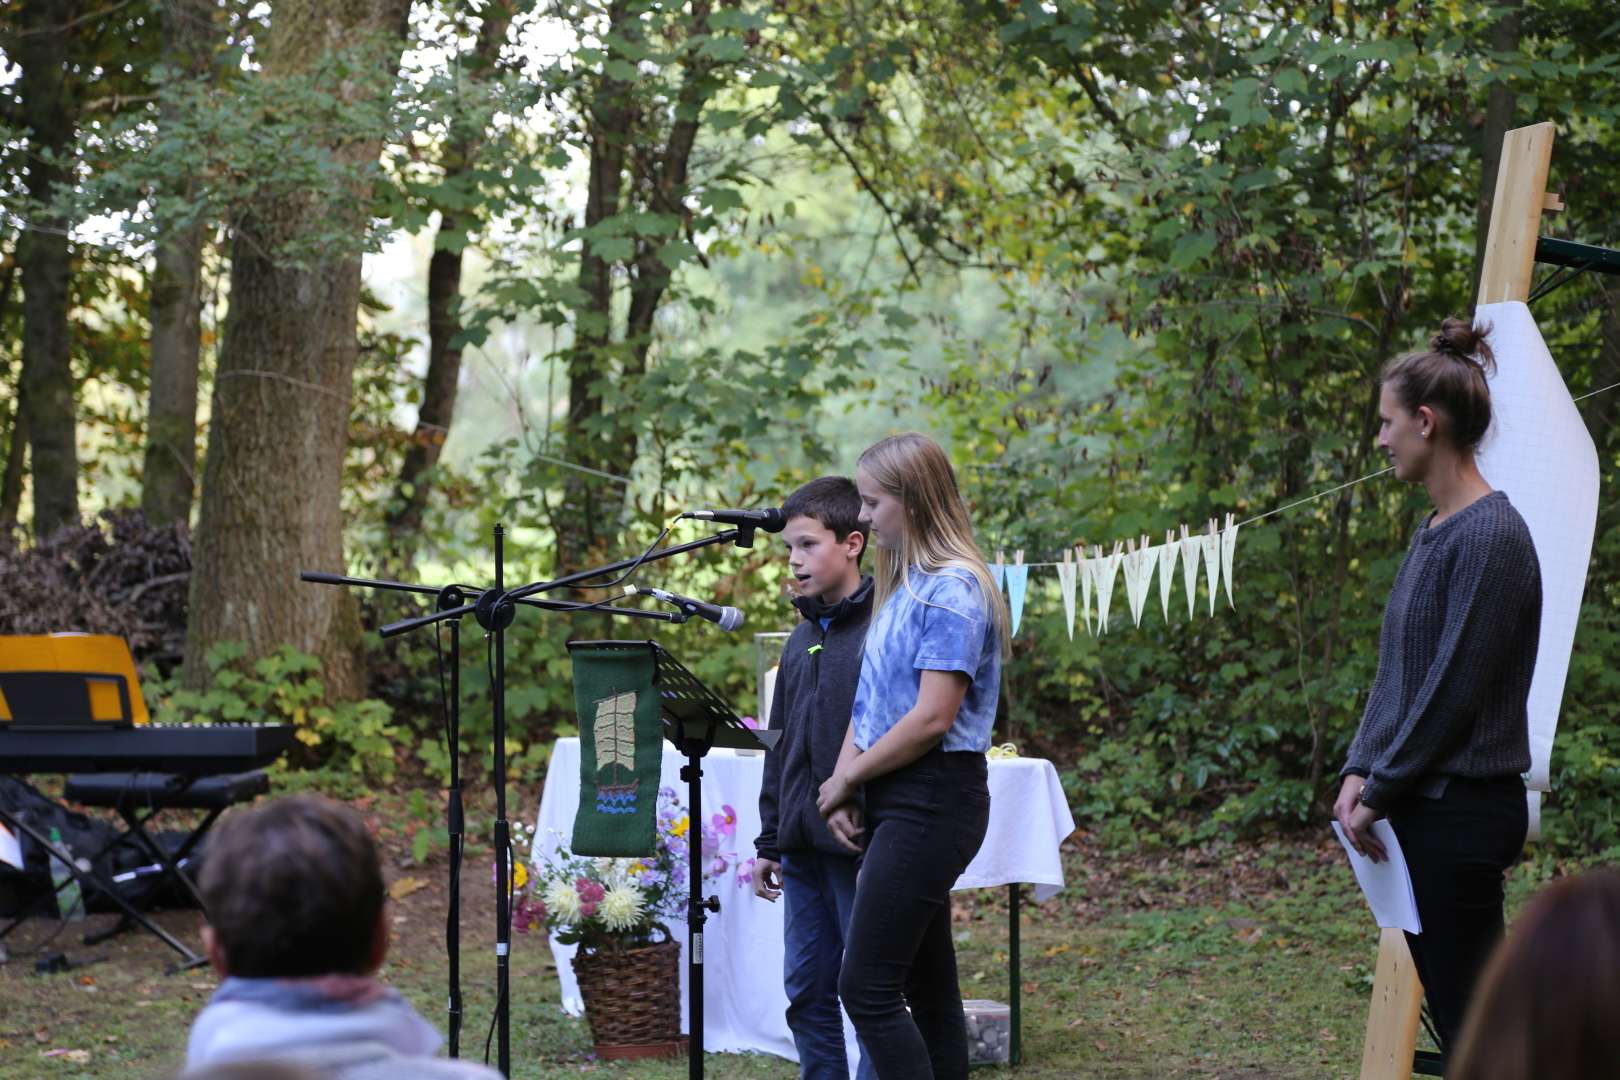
<point>1457,848</point>
<point>926,822</point>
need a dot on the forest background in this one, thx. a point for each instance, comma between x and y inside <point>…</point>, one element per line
<point>340,284</point>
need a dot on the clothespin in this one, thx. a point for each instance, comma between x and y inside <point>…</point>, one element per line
<point>1018,557</point>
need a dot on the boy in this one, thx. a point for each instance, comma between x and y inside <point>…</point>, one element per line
<point>797,855</point>
<point>297,928</point>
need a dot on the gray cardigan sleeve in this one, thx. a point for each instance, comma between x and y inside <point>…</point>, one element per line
<point>1484,592</point>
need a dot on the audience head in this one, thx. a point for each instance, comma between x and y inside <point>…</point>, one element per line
<point>1546,1005</point>
<point>294,888</point>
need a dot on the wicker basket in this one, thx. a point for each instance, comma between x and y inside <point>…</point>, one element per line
<point>633,999</point>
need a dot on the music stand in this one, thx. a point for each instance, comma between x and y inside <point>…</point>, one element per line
<point>695,721</point>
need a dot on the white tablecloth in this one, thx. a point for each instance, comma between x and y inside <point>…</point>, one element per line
<point>745,1008</point>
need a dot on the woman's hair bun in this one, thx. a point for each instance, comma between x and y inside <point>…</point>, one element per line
<point>1463,340</point>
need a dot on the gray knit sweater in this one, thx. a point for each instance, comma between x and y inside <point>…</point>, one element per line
<point>1455,656</point>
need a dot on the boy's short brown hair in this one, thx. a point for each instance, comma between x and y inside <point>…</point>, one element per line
<point>293,888</point>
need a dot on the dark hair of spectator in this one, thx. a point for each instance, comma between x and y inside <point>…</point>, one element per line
<point>832,500</point>
<point>1546,1005</point>
<point>1449,377</point>
<point>293,888</point>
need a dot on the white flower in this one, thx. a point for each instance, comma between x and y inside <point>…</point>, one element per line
<point>621,907</point>
<point>563,901</point>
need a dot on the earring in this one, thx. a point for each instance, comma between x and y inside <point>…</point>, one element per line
<point>1425,434</point>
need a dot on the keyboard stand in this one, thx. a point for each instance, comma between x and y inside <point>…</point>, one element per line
<point>89,877</point>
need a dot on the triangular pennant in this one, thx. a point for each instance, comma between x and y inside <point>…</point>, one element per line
<point>1228,548</point>
<point>1087,573</point>
<point>1189,567</point>
<point>1149,561</point>
<point>1211,543</point>
<point>998,570</point>
<point>1167,569</point>
<point>1066,582</point>
<point>1017,583</point>
<point>1107,571</point>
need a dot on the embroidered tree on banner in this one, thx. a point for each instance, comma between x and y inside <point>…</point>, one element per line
<point>616,753</point>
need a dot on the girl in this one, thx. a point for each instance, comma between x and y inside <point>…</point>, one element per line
<point>1445,735</point>
<point>926,699</point>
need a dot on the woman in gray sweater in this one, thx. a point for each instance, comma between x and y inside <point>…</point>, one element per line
<point>1445,739</point>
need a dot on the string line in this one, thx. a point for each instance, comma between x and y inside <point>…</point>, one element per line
<point>1331,490</point>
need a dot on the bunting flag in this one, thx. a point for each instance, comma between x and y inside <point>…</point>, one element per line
<point>1085,572</point>
<point>1107,570</point>
<point>1139,566</point>
<point>1167,569</point>
<point>1017,583</point>
<point>1228,548</point>
<point>1189,567</point>
<point>1083,579</point>
<point>1211,543</point>
<point>1065,573</point>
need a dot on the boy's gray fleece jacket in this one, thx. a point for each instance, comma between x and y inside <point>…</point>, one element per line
<point>815,692</point>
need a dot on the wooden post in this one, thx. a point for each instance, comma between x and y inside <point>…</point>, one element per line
<point>1521,196</point>
<point>1392,1020</point>
<point>1510,259</point>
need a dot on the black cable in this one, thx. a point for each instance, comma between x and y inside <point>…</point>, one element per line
<point>632,568</point>
<point>444,695</point>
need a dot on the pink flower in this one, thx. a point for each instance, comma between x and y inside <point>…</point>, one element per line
<point>588,908</point>
<point>718,867</point>
<point>725,822</point>
<point>589,891</point>
<point>745,873</point>
<point>750,723</point>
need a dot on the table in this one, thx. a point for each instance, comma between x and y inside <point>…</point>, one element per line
<point>745,1008</point>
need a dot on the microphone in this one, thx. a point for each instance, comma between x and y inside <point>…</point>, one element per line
<point>770,519</point>
<point>727,618</point>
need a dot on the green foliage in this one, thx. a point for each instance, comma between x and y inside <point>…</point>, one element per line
<point>357,738</point>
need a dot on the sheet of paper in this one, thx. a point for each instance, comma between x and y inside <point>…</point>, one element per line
<point>1387,885</point>
<point>10,848</point>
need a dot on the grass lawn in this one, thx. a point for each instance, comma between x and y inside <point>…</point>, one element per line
<point>1248,960</point>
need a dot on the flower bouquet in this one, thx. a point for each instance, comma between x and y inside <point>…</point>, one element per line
<point>617,911</point>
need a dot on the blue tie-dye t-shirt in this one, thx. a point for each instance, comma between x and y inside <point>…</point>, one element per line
<point>942,623</point>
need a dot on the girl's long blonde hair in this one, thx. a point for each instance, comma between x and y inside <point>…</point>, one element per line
<point>912,468</point>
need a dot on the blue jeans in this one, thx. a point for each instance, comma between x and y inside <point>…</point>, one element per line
<point>818,893</point>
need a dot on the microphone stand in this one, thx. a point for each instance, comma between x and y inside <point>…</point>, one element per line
<point>494,609</point>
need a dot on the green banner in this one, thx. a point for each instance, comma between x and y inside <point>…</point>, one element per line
<point>620,751</point>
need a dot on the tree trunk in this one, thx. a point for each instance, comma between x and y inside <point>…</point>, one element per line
<point>47,380</point>
<point>590,513</point>
<point>593,505</point>
<point>443,296</point>
<point>169,480</point>
<point>1499,104</point>
<point>272,478</point>
<point>11,481</point>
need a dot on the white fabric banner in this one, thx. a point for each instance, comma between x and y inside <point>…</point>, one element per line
<point>1539,451</point>
<point>745,1008</point>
